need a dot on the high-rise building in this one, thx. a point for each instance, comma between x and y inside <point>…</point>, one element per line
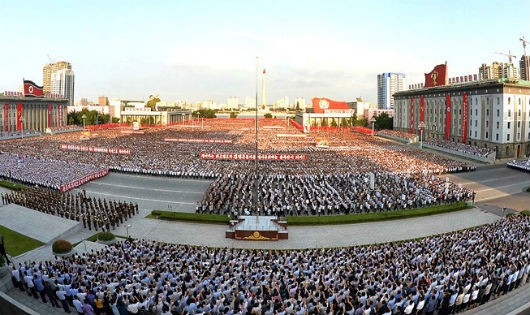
<point>498,70</point>
<point>58,78</point>
<point>524,64</point>
<point>103,101</point>
<point>50,68</point>
<point>389,83</point>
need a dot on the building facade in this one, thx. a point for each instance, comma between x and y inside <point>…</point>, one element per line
<point>31,113</point>
<point>497,70</point>
<point>389,83</point>
<point>524,63</point>
<point>490,113</point>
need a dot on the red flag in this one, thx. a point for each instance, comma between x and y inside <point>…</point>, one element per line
<point>19,116</point>
<point>437,77</point>
<point>447,116</point>
<point>412,114</point>
<point>50,123</point>
<point>32,89</point>
<point>422,109</point>
<point>465,109</point>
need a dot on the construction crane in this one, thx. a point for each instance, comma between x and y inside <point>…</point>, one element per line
<point>524,41</point>
<point>509,55</point>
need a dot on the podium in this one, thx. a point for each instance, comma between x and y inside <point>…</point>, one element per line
<point>257,228</point>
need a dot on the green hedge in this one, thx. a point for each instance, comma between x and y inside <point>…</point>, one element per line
<point>194,217</point>
<point>377,216</point>
<point>105,236</point>
<point>11,185</point>
<point>525,212</point>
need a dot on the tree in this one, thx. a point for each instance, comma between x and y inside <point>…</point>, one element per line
<point>268,115</point>
<point>353,119</point>
<point>363,122</point>
<point>383,121</point>
<point>333,122</point>
<point>233,114</point>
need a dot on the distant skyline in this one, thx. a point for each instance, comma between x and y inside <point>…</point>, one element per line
<point>200,50</point>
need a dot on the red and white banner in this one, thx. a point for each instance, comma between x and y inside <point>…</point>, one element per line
<point>198,140</point>
<point>447,116</point>
<point>78,182</point>
<point>422,109</point>
<point>412,114</point>
<point>465,109</point>
<point>248,156</point>
<point>83,148</point>
<point>32,89</point>
<point>60,116</point>
<point>50,115</point>
<point>437,77</point>
<point>6,117</point>
<point>19,116</point>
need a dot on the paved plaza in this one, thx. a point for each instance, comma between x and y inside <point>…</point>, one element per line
<point>494,186</point>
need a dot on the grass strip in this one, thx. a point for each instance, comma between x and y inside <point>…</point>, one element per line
<point>11,185</point>
<point>17,243</point>
<point>191,217</point>
<point>376,216</point>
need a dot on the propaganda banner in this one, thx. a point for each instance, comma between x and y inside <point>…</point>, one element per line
<point>83,148</point>
<point>50,122</point>
<point>19,115</point>
<point>437,77</point>
<point>78,182</point>
<point>465,110</point>
<point>249,156</point>
<point>6,117</point>
<point>198,140</point>
<point>422,109</point>
<point>59,116</point>
<point>447,116</point>
<point>412,114</point>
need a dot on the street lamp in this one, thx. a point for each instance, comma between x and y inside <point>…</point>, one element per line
<point>373,123</point>
<point>421,126</point>
<point>433,130</point>
<point>84,118</point>
<point>127,229</point>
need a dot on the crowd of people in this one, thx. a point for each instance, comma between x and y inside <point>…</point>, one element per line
<point>445,273</point>
<point>96,213</point>
<point>397,134</point>
<point>5,135</point>
<point>291,195</point>
<point>460,147</point>
<point>43,171</point>
<point>520,164</point>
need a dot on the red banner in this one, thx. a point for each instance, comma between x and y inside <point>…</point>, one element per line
<point>422,109</point>
<point>465,109</point>
<point>437,77</point>
<point>83,148</point>
<point>325,105</point>
<point>78,182</point>
<point>412,114</point>
<point>249,156</point>
<point>32,89</point>
<point>50,123</point>
<point>198,140</point>
<point>6,117</point>
<point>59,116</point>
<point>19,116</point>
<point>447,116</point>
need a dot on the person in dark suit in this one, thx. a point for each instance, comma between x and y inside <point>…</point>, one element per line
<point>3,249</point>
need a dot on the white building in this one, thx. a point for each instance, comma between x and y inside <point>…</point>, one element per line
<point>489,113</point>
<point>62,83</point>
<point>233,102</point>
<point>389,83</point>
<point>299,102</point>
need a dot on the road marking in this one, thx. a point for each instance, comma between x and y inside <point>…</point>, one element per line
<point>500,192</point>
<point>485,181</point>
<point>153,189</point>
<point>137,198</point>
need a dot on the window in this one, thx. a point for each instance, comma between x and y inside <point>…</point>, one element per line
<point>509,113</point>
<point>519,113</point>
<point>497,100</point>
<point>518,124</point>
<point>497,136</point>
<point>486,135</point>
<point>476,111</point>
<point>476,123</point>
<point>487,123</point>
<point>498,125</point>
<point>475,133</point>
<point>509,100</point>
<point>498,112</point>
<point>508,137</point>
<point>509,124</point>
<point>487,112</point>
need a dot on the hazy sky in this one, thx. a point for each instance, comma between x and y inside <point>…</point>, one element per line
<point>197,50</point>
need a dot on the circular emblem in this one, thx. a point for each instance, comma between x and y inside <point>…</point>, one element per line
<point>324,104</point>
<point>448,109</point>
<point>30,89</point>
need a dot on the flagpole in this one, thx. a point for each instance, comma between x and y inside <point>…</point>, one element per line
<point>256,153</point>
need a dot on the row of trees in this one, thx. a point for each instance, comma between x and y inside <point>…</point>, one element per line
<point>91,118</point>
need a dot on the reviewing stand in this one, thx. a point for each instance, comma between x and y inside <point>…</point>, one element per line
<point>257,228</point>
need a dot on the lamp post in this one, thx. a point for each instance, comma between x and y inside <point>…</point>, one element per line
<point>433,130</point>
<point>127,229</point>
<point>421,126</point>
<point>373,124</point>
<point>84,119</point>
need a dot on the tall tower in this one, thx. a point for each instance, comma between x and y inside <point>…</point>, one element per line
<point>264,90</point>
<point>49,69</point>
<point>389,83</point>
<point>62,83</point>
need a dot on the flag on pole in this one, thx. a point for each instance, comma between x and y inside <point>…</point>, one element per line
<point>32,89</point>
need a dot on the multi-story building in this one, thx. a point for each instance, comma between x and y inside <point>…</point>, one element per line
<point>524,64</point>
<point>21,113</point>
<point>299,102</point>
<point>389,83</point>
<point>58,78</point>
<point>488,113</point>
<point>498,70</point>
<point>233,102</point>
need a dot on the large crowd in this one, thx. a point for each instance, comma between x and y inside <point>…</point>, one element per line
<point>290,195</point>
<point>445,273</point>
<point>43,171</point>
<point>460,147</point>
<point>346,161</point>
<point>397,134</point>
<point>97,213</point>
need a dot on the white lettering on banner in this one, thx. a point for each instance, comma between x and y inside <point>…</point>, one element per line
<point>198,140</point>
<point>83,148</point>
<point>261,157</point>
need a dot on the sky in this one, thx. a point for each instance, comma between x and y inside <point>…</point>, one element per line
<point>209,50</point>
